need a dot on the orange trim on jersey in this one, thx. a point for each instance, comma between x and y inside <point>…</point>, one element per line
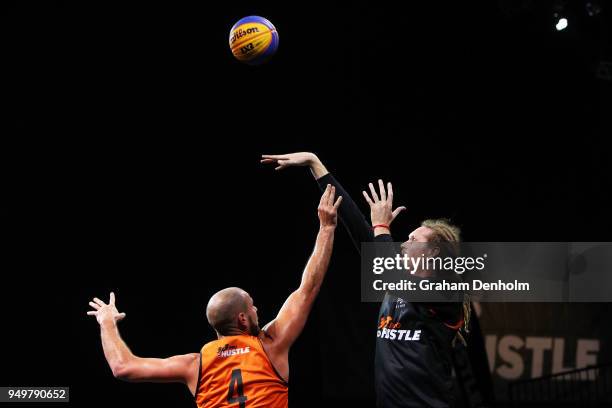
<point>455,326</point>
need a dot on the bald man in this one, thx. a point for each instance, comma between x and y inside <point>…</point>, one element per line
<point>246,365</point>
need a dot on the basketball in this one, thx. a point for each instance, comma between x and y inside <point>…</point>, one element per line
<point>253,40</point>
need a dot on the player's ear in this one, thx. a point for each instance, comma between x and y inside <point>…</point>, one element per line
<point>243,321</point>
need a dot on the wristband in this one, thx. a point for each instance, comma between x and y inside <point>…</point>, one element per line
<point>381,226</point>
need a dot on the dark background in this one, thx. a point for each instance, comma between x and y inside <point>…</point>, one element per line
<point>136,165</point>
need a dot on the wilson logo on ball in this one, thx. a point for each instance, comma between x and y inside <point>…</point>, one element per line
<point>241,33</point>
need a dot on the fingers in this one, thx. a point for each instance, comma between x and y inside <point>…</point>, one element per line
<point>397,211</point>
<point>373,192</point>
<point>324,197</point>
<point>94,305</point>
<point>280,159</point>
<point>99,302</point>
<point>383,193</point>
<point>367,198</point>
<point>337,204</point>
<point>327,199</point>
<point>390,192</point>
<point>282,163</point>
<point>92,313</point>
<point>331,197</point>
<point>120,316</point>
<point>272,157</point>
<point>112,298</point>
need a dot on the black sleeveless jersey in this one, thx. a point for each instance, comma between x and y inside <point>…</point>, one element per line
<point>413,355</point>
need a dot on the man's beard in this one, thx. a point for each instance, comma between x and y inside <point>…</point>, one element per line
<point>253,328</point>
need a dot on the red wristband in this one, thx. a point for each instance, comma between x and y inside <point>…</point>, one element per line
<point>381,226</point>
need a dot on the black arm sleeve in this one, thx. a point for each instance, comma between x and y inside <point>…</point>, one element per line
<point>352,218</point>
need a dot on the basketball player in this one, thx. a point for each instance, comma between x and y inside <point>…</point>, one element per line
<point>246,366</point>
<point>412,369</point>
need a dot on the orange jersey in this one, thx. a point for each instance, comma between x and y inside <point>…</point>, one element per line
<point>236,372</point>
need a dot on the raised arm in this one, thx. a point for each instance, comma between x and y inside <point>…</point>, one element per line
<point>128,367</point>
<point>291,318</point>
<point>352,218</point>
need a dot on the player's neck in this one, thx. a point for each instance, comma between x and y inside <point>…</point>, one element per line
<point>232,332</point>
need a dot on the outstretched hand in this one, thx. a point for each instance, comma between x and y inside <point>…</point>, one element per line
<point>105,312</point>
<point>381,208</point>
<point>328,209</point>
<point>289,160</point>
<point>298,159</point>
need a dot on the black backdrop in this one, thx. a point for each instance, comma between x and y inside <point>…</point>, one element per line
<point>137,169</point>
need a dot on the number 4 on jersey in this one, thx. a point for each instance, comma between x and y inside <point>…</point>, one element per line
<point>235,386</point>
